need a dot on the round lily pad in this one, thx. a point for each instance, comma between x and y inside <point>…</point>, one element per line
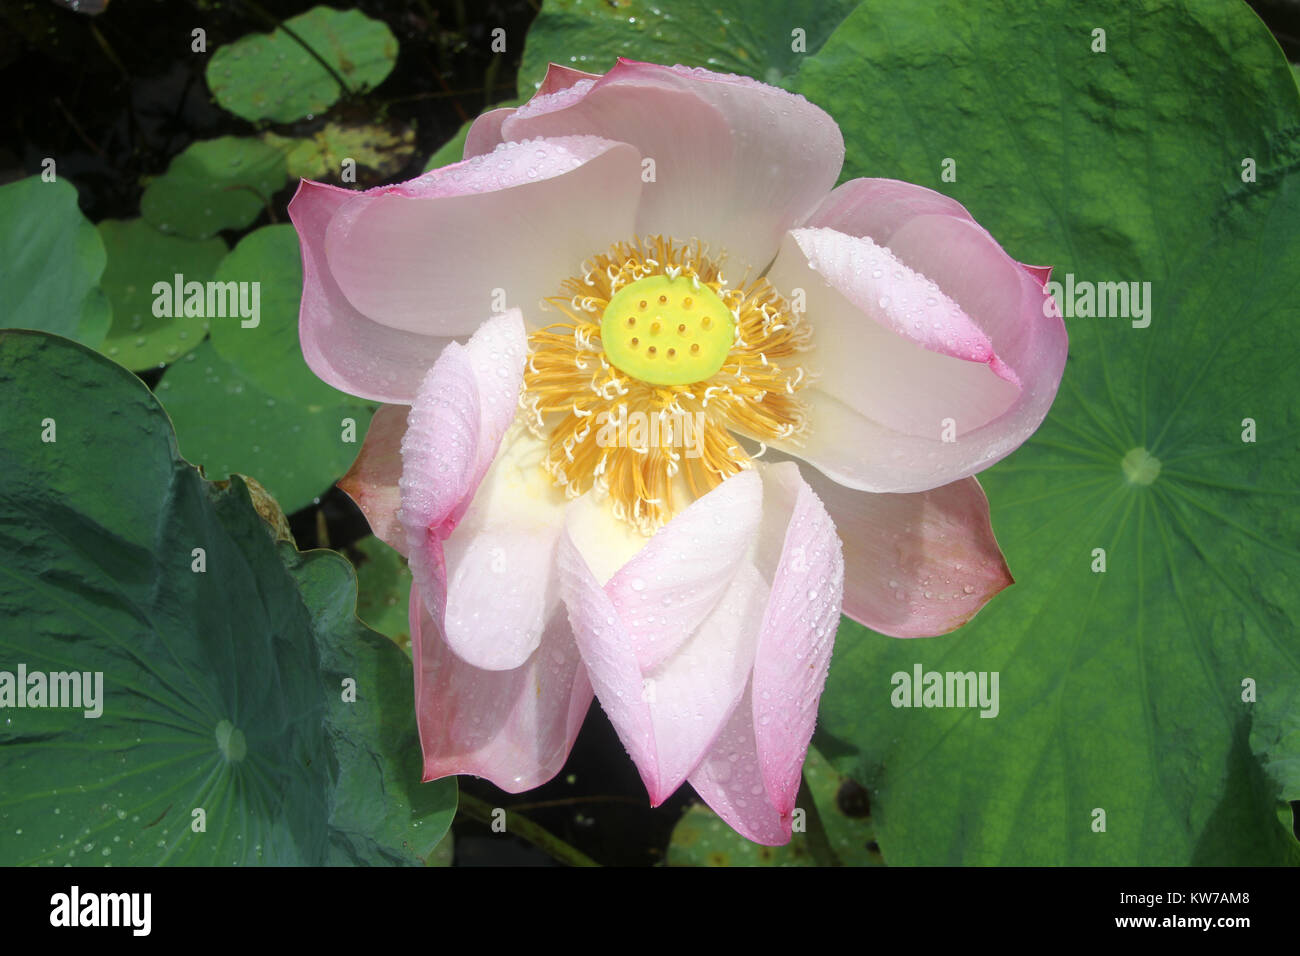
<point>275,77</point>
<point>214,184</point>
<point>268,352</point>
<point>228,424</point>
<point>151,326</point>
<point>51,260</point>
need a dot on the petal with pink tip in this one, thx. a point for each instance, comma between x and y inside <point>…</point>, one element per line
<point>559,77</point>
<point>919,564</point>
<point>736,162</point>
<point>667,716</point>
<point>513,727</point>
<point>463,408</point>
<point>435,254</point>
<point>485,132</point>
<point>750,777</point>
<point>888,343</point>
<point>936,237</point>
<point>345,348</point>
<point>730,781</point>
<point>914,389</point>
<point>877,207</point>
<point>794,647</point>
<point>372,480</point>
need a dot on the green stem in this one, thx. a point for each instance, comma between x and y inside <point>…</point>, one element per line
<point>278,24</point>
<point>819,844</point>
<point>521,826</point>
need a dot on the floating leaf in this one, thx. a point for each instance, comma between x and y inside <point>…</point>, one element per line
<point>225,732</point>
<point>268,353</point>
<point>51,259</point>
<point>228,424</point>
<point>140,257</point>
<point>384,589</point>
<point>383,149</point>
<point>214,184</point>
<point>274,77</point>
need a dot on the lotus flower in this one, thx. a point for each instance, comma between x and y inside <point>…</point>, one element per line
<point>663,245</point>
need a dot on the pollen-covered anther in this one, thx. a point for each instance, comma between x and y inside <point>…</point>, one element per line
<point>652,425</point>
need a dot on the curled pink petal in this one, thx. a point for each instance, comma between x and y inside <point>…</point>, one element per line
<point>501,582</point>
<point>736,162</point>
<point>434,255</point>
<point>514,727</point>
<point>668,715</point>
<point>485,132</point>
<point>342,346</point>
<point>919,564</point>
<point>664,593</point>
<point>454,430</point>
<point>750,777</point>
<point>559,77</point>
<point>974,363</point>
<point>372,480</point>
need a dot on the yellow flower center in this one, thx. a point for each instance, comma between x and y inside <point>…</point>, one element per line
<point>658,361</point>
<point>667,331</point>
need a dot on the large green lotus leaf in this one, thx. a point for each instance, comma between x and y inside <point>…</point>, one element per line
<point>139,256</point>
<point>214,184</point>
<point>51,259</point>
<point>702,839</point>
<point>1121,691</point>
<point>273,77</point>
<point>766,39</point>
<point>268,353</point>
<point>223,685</point>
<point>228,424</point>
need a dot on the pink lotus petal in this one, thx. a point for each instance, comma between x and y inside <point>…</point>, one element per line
<point>751,775</point>
<point>877,207</point>
<point>890,346</point>
<point>736,162</point>
<point>794,646</point>
<point>559,77</point>
<point>919,564</point>
<point>435,254</point>
<point>344,348</point>
<point>730,780</point>
<point>664,593</point>
<point>372,480</point>
<point>929,405</point>
<point>1042,274</point>
<point>667,716</point>
<point>485,132</point>
<point>513,727</point>
<point>461,412</point>
<point>501,583</point>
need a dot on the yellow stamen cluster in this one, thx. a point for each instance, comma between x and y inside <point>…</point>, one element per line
<point>581,402</point>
